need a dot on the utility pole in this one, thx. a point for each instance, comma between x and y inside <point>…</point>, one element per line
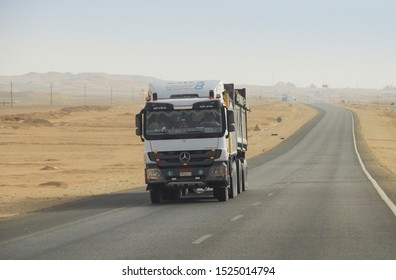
<point>51,94</point>
<point>12,101</point>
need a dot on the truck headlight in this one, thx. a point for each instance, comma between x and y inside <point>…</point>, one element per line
<point>154,175</point>
<point>218,171</point>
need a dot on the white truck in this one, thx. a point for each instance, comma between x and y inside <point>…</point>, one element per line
<point>195,139</point>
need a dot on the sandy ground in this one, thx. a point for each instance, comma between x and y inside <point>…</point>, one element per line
<point>276,121</point>
<point>377,125</point>
<point>51,156</point>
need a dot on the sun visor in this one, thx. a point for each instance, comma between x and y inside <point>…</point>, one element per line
<point>159,106</point>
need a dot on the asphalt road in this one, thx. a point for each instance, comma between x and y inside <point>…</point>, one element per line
<point>307,199</point>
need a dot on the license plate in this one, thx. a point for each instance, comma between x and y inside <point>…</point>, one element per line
<point>185,173</point>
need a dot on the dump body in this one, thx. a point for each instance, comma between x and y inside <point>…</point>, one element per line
<point>195,139</point>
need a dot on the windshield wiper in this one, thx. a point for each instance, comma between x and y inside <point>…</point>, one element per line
<point>196,130</point>
<point>158,132</point>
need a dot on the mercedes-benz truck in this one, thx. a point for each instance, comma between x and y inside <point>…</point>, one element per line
<point>195,139</point>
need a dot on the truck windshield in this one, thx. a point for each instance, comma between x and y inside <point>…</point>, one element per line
<point>184,124</point>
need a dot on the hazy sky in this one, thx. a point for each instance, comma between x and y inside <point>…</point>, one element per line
<point>338,42</point>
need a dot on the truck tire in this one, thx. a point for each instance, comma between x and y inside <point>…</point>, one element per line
<point>221,194</point>
<point>233,192</point>
<point>156,194</point>
<point>216,192</point>
<point>239,176</point>
<point>244,176</point>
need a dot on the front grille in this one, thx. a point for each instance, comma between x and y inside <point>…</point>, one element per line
<point>197,157</point>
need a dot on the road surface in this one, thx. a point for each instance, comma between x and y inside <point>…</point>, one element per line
<point>307,199</point>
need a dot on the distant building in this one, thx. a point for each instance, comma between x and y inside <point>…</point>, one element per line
<point>389,87</point>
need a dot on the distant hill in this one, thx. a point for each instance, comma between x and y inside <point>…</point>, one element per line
<point>104,89</point>
<point>68,83</point>
<point>69,89</point>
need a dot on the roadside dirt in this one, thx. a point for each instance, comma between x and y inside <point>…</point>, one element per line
<point>376,128</point>
<point>57,155</point>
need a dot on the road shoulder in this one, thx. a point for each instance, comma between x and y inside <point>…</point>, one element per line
<point>384,177</point>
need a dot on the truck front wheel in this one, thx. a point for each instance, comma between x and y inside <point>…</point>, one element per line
<point>221,194</point>
<point>155,195</point>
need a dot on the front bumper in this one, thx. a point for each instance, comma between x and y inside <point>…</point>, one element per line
<point>187,176</point>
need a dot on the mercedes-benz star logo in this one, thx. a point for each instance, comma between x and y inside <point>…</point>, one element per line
<point>184,157</point>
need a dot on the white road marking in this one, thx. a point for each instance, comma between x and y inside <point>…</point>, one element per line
<point>257,203</point>
<point>236,218</point>
<point>270,194</point>
<point>201,239</point>
<point>375,184</point>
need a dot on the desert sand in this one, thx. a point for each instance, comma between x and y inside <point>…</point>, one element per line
<point>51,156</point>
<point>377,125</point>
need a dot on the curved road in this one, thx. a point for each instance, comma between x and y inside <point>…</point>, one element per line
<point>307,199</point>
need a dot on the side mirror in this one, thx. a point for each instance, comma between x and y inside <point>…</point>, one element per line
<point>139,124</point>
<point>230,121</point>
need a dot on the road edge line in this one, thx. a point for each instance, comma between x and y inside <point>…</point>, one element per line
<point>371,179</point>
